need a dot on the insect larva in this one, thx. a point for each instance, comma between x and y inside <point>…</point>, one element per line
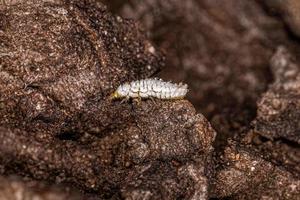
<point>151,88</point>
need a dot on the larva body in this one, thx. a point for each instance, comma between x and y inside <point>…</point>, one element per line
<point>151,88</point>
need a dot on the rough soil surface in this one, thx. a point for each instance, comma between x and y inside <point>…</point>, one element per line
<point>166,141</point>
<point>278,110</point>
<point>245,175</point>
<point>56,56</point>
<point>60,60</point>
<point>16,188</point>
<point>276,128</point>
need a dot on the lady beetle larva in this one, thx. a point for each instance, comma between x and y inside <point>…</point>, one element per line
<point>151,88</point>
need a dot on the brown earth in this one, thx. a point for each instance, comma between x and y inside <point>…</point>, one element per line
<point>64,138</point>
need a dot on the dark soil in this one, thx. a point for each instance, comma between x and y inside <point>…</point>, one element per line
<point>62,137</point>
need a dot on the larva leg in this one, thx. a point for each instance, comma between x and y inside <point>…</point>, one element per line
<point>138,100</point>
<point>153,100</point>
<point>126,99</point>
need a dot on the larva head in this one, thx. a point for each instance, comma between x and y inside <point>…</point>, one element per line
<point>115,95</point>
<point>122,91</point>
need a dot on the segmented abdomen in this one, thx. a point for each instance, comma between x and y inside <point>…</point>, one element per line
<point>152,88</point>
